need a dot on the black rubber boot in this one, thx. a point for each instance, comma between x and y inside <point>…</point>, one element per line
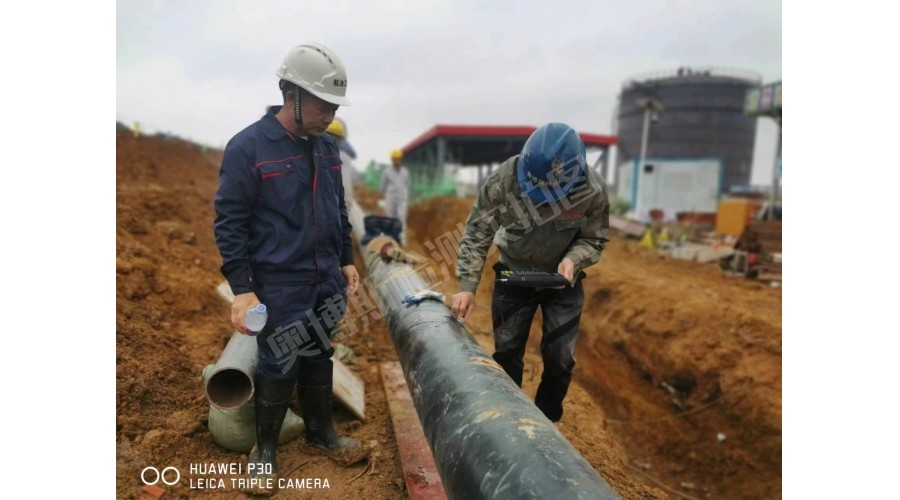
<point>549,399</point>
<point>272,397</point>
<point>314,388</point>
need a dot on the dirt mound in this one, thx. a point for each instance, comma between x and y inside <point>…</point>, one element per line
<point>687,365</point>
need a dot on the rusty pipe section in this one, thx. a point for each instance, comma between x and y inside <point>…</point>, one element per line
<point>488,439</point>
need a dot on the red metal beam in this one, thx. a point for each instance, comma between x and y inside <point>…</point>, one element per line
<point>419,470</point>
<point>498,131</point>
<point>598,140</point>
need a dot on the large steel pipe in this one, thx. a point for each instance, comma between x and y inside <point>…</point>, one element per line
<point>488,439</point>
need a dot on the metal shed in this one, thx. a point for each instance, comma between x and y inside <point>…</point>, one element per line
<point>478,146</point>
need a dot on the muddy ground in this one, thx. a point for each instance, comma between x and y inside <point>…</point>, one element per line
<point>677,387</point>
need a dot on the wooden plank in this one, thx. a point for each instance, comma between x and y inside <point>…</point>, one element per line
<point>349,389</point>
<point>419,470</point>
<point>224,291</point>
<point>768,234</point>
<point>629,227</point>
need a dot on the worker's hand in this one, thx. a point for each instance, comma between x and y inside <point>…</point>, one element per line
<point>567,269</point>
<point>462,304</point>
<point>239,308</point>
<point>352,278</point>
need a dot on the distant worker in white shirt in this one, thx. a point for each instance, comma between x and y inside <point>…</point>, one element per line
<point>395,188</point>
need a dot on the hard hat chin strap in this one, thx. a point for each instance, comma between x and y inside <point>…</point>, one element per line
<point>297,116</point>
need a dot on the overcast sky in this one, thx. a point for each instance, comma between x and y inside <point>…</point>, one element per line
<point>205,70</point>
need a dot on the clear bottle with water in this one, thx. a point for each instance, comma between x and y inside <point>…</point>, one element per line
<point>255,318</point>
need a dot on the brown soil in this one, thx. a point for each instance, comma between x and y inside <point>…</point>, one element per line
<point>649,324</point>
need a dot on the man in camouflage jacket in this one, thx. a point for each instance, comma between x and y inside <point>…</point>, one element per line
<point>548,212</point>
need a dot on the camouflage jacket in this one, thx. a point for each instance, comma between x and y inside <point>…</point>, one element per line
<point>532,235</point>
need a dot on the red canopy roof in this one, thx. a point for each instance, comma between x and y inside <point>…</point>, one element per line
<point>488,137</point>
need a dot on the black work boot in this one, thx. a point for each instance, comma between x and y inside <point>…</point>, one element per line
<point>314,388</point>
<point>549,399</point>
<point>272,397</point>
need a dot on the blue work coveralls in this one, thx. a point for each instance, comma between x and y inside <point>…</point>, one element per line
<point>283,232</point>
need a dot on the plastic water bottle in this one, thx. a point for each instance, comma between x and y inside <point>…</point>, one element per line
<point>255,318</point>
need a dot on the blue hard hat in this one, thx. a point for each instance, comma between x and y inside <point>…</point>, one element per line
<point>551,163</point>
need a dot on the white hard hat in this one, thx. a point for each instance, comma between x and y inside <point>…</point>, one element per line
<point>316,69</point>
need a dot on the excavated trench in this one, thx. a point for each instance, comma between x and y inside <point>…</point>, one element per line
<point>677,385</point>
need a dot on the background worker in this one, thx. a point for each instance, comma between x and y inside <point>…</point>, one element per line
<point>284,235</point>
<point>338,130</point>
<point>395,188</point>
<point>550,213</point>
<point>345,146</point>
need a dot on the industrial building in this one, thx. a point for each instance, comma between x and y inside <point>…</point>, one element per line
<point>683,120</point>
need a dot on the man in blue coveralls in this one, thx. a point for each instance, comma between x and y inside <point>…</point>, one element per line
<point>284,235</point>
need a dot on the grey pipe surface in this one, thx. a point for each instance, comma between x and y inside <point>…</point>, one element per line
<point>488,439</point>
<point>230,384</point>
